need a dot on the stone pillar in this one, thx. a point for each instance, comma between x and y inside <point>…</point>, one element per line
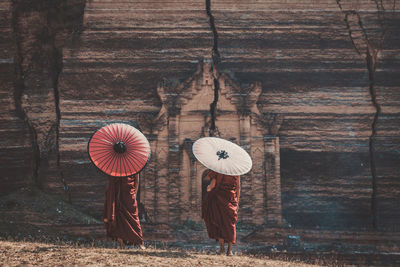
<point>174,198</point>
<point>257,176</point>
<point>161,183</point>
<point>148,182</point>
<point>196,191</point>
<point>273,203</point>
<point>153,179</point>
<point>192,208</point>
<point>194,196</point>
<point>246,194</point>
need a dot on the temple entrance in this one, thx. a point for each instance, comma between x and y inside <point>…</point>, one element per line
<point>176,182</point>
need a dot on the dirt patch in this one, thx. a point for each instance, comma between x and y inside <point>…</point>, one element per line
<point>36,223</point>
<point>33,253</point>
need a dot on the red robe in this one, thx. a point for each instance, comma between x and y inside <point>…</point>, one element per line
<point>121,211</point>
<point>219,209</point>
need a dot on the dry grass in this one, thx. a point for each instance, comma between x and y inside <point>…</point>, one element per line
<point>33,253</point>
<point>51,232</point>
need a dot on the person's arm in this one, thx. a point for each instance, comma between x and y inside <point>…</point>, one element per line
<point>238,188</point>
<point>211,185</point>
<point>137,184</point>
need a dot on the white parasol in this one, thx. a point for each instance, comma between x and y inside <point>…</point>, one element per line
<point>222,156</point>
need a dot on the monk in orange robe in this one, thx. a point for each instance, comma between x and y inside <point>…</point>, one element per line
<point>120,214</point>
<point>219,209</point>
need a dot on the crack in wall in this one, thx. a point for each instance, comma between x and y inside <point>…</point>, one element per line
<point>57,55</point>
<point>19,89</point>
<point>365,47</point>
<point>346,19</point>
<point>214,68</point>
<point>40,31</point>
<point>372,139</point>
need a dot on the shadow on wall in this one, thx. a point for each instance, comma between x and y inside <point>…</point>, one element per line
<point>326,190</point>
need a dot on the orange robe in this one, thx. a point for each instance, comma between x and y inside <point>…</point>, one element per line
<point>121,211</point>
<point>219,209</point>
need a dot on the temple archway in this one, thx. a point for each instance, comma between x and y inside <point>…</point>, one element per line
<point>184,117</point>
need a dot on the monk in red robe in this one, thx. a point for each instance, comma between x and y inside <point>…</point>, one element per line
<point>120,214</point>
<point>219,209</point>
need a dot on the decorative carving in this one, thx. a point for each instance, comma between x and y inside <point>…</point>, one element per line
<point>269,123</point>
<point>173,95</point>
<point>187,145</point>
<point>245,98</point>
<point>151,125</point>
<point>170,97</point>
<point>185,116</point>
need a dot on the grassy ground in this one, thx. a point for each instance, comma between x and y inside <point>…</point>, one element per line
<point>33,253</point>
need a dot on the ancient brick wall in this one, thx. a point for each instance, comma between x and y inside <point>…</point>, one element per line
<point>321,70</point>
<point>305,55</point>
<point>15,144</point>
<point>112,73</point>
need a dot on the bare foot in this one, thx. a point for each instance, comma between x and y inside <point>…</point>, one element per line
<point>229,253</point>
<point>221,246</point>
<point>142,247</point>
<point>121,242</point>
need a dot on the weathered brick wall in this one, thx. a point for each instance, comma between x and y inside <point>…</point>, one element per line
<point>15,162</point>
<point>311,73</point>
<point>112,73</point>
<point>300,51</point>
<point>35,33</point>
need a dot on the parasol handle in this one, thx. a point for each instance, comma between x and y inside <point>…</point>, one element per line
<point>119,147</point>
<point>222,154</point>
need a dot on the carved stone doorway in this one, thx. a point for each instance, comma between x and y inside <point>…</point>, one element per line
<point>174,180</point>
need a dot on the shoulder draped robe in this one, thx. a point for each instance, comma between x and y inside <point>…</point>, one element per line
<point>219,209</point>
<point>121,210</point>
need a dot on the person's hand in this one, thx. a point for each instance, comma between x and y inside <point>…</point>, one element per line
<point>105,220</point>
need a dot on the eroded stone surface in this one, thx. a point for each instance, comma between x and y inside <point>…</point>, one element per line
<point>314,89</point>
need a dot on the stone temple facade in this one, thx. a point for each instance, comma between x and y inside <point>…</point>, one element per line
<point>324,73</point>
<point>173,183</point>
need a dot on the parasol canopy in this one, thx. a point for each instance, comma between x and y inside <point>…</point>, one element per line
<point>222,156</point>
<point>119,150</point>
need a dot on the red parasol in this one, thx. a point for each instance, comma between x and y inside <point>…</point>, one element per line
<point>119,150</point>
